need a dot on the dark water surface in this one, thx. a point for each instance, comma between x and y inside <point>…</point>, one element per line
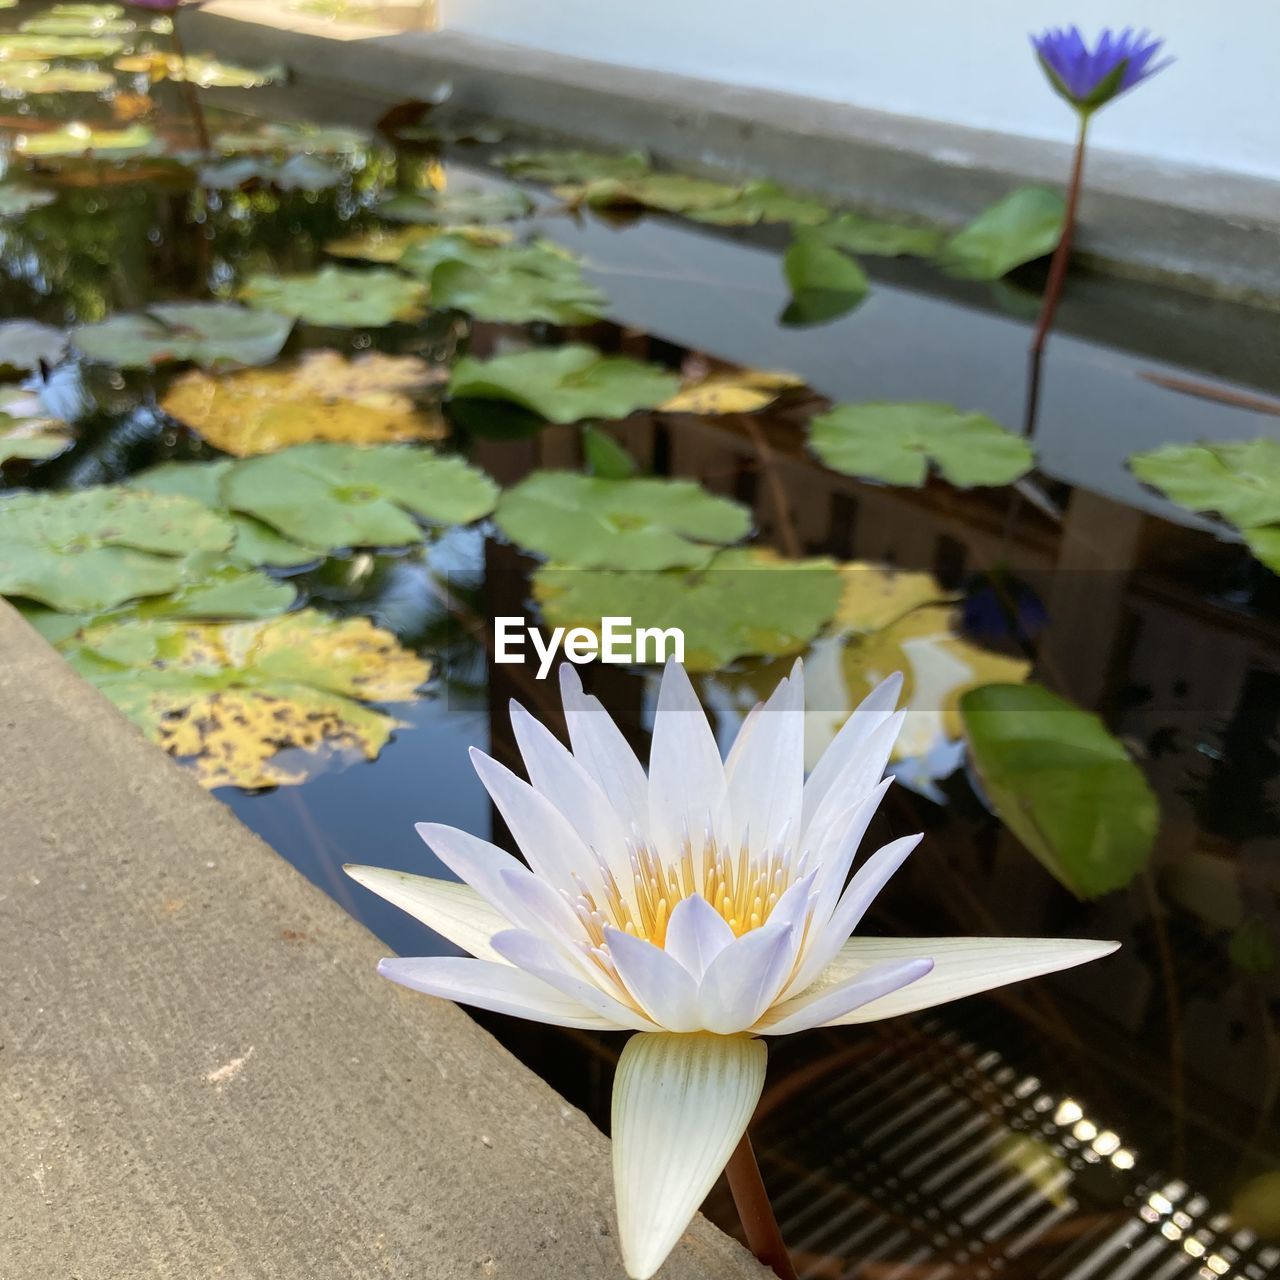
<point>1116,1123</point>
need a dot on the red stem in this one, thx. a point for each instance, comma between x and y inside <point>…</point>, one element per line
<point>764,1238</point>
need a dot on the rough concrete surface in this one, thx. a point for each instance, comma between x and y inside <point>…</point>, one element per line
<point>1211,230</point>
<point>200,1073</point>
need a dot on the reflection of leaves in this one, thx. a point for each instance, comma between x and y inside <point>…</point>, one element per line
<point>80,140</point>
<point>334,495</point>
<point>856,234</point>
<point>96,548</point>
<point>897,444</point>
<point>297,173</point>
<point>566,384</point>
<point>24,344</point>
<point>339,297</point>
<point>574,166</point>
<point>733,391</point>
<point>1022,227</point>
<point>875,596</point>
<point>1062,784</point>
<point>744,602</point>
<point>324,396</point>
<point>1240,482</point>
<point>231,698</point>
<point>206,332</point>
<point>640,523</point>
<point>825,282</point>
<point>454,207</point>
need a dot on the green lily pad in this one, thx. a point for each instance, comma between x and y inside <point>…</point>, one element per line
<point>1238,481</point>
<point>389,245</point>
<point>297,173</point>
<point>81,140</point>
<point>73,25</point>
<point>335,495</point>
<point>669,192</point>
<point>26,431</point>
<point>574,166</point>
<point>16,199</point>
<point>256,543</point>
<point>449,208</point>
<point>856,234</point>
<point>743,603</point>
<point>30,47</point>
<point>897,444</point>
<point>605,457</point>
<point>1062,784</point>
<point>206,332</point>
<point>21,78</point>
<point>92,550</point>
<point>764,202</point>
<point>296,139</point>
<point>339,297</point>
<point>25,344</point>
<point>825,282</point>
<point>1022,227</point>
<point>642,523</point>
<point>208,73</point>
<point>566,384</point>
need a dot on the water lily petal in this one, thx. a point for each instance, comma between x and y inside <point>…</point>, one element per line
<point>822,1004</point>
<point>962,967</point>
<point>696,934</point>
<point>840,847</point>
<point>501,988</point>
<point>454,911</point>
<point>680,1106</point>
<point>657,981</point>
<point>743,980</point>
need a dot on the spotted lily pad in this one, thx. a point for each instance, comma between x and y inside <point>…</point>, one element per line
<point>26,431</point>
<point>826,283</point>
<point>640,523</point>
<point>856,234</point>
<point>93,549</point>
<point>764,202</point>
<point>574,166</point>
<point>205,332</point>
<point>732,391</point>
<point>229,699</point>
<point>82,140</point>
<point>1022,227</point>
<point>323,396</point>
<point>465,205</point>
<point>297,173</point>
<point>22,78</point>
<point>339,297</point>
<point>744,602</point>
<point>566,384</point>
<point>16,198</point>
<point>26,344</point>
<point>898,443</point>
<point>334,495</point>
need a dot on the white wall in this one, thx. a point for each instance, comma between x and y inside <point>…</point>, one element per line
<point>1219,105</point>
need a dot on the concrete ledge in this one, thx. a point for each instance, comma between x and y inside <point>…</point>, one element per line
<point>203,1076</point>
<point>1210,230</point>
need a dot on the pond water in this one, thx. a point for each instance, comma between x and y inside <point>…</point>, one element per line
<point>1115,1122</point>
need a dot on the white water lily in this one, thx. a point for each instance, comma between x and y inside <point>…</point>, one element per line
<point>703,906</point>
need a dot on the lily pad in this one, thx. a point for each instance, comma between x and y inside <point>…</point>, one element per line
<point>743,603</point>
<point>229,699</point>
<point>669,192</point>
<point>17,198</point>
<point>897,444</point>
<point>26,431</point>
<point>26,344</point>
<point>764,202</point>
<point>205,332</point>
<point>641,523</point>
<point>574,166</point>
<point>387,245</point>
<point>296,139</point>
<point>22,78</point>
<point>732,391</point>
<point>566,384</point>
<point>92,550</point>
<point>297,173</point>
<point>82,140</point>
<point>825,282</point>
<point>1062,784</point>
<point>334,495</point>
<point>605,457</point>
<point>1022,227</point>
<point>324,396</point>
<point>31,47</point>
<point>76,25</point>
<point>855,234</point>
<point>255,543</point>
<point>451,207</point>
<point>339,297</point>
<point>200,70</point>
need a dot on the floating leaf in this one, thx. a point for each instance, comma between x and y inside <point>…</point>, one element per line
<point>1022,227</point>
<point>732,391</point>
<point>81,140</point>
<point>1062,784</point>
<point>200,70</point>
<point>856,234</point>
<point>296,139</point>
<point>605,457</point>
<point>26,344</point>
<point>468,205</point>
<point>324,396</point>
<point>205,332</point>
<point>333,495</point>
<point>825,283</point>
<point>256,543</point>
<point>897,444</point>
<point>339,297</point>
<point>94,549</point>
<point>875,596</point>
<point>644,523</point>
<point>764,202</point>
<point>745,602</point>
<point>388,245</point>
<point>574,166</point>
<point>16,199</point>
<point>21,78</point>
<point>32,47</point>
<point>230,698</point>
<point>297,173</point>
<point>566,384</point>
<point>26,431</point>
<point>670,192</point>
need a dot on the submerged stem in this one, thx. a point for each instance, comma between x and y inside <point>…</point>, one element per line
<point>764,1238</point>
<point>189,89</point>
<point>1057,278</point>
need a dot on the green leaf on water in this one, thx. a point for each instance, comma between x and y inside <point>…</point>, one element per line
<point>855,234</point>
<point>339,297</point>
<point>1022,227</point>
<point>574,166</point>
<point>825,282</point>
<point>337,495</point>
<point>639,523</point>
<point>669,192</point>
<point>898,443</point>
<point>764,202</point>
<point>457,206</point>
<point>1062,784</point>
<point>32,47</point>
<point>208,333</point>
<point>745,602</point>
<point>81,140</point>
<point>20,78</point>
<point>286,138</point>
<point>566,384</point>
<point>605,457</point>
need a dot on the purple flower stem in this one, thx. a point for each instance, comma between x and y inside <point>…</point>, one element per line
<point>764,1236</point>
<point>1057,278</point>
<point>193,97</point>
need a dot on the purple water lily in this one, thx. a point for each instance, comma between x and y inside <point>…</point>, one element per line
<point>1088,79</point>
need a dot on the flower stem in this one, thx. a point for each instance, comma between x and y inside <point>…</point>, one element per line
<point>189,90</point>
<point>1057,278</point>
<point>764,1238</point>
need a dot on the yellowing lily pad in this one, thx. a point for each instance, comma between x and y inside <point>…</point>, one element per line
<point>205,332</point>
<point>32,47</point>
<point>82,140</point>
<point>204,71</point>
<point>732,391</point>
<point>324,396</point>
<point>232,699</point>
<point>339,297</point>
<point>874,596</point>
<point>22,78</point>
